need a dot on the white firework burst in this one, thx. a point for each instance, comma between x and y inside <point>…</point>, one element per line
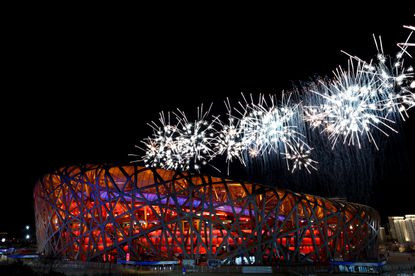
<point>315,115</point>
<point>197,139</point>
<point>161,149</point>
<point>228,140</point>
<point>299,156</point>
<point>351,107</point>
<point>367,98</point>
<point>269,127</point>
<point>184,145</point>
<point>394,81</point>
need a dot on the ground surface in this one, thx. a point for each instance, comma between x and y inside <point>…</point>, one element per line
<point>399,264</point>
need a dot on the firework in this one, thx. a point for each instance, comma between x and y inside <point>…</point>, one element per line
<point>357,102</point>
<point>266,126</point>
<point>262,128</point>
<point>161,149</point>
<point>299,155</point>
<point>197,139</point>
<point>394,81</point>
<point>184,145</point>
<point>269,126</point>
<point>351,107</point>
<point>228,140</point>
<point>407,44</point>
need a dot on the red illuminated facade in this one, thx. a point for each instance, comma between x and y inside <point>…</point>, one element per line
<point>103,213</point>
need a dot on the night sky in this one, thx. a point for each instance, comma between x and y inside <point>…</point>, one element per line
<point>80,88</point>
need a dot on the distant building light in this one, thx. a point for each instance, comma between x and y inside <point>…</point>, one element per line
<point>3,239</point>
<point>27,237</point>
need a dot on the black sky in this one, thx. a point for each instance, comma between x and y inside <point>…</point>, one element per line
<point>79,87</point>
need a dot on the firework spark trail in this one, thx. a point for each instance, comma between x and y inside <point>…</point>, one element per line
<point>407,44</point>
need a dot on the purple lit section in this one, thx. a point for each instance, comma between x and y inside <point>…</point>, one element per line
<point>182,201</point>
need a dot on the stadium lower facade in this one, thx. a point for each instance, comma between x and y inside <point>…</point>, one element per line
<point>104,213</point>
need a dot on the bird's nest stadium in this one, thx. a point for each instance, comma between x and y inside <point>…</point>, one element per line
<point>106,213</point>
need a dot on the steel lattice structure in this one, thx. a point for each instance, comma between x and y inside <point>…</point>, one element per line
<point>101,213</point>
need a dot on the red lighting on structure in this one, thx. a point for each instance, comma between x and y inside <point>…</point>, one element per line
<point>129,212</point>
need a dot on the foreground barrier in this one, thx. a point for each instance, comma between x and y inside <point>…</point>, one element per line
<point>256,269</point>
<point>76,267</point>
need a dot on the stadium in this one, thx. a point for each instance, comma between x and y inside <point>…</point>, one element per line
<point>109,213</point>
